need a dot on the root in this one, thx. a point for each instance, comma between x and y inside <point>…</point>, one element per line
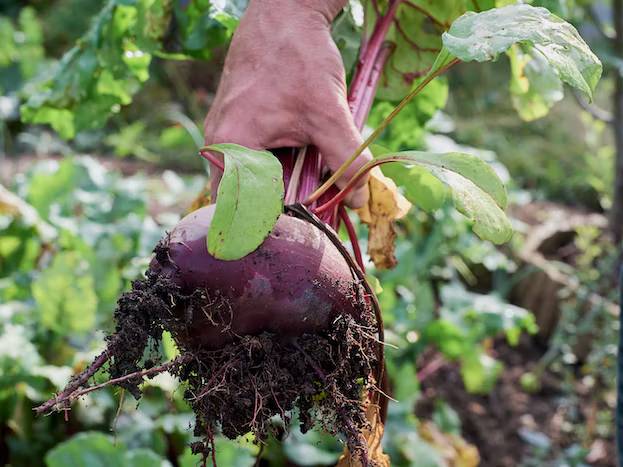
<point>62,399</point>
<point>72,392</point>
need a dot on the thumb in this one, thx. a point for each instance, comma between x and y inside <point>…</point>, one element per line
<point>337,141</point>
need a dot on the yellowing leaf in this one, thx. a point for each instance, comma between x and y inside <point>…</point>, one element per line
<point>385,205</point>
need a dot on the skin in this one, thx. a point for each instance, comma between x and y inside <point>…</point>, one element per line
<point>283,85</point>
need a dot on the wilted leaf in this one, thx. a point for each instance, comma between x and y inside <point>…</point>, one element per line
<point>249,201</point>
<point>385,205</point>
<point>483,36</point>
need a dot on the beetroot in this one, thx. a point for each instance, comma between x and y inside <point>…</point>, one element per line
<point>296,282</point>
<point>291,326</point>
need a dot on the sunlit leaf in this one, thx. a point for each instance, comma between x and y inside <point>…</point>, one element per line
<point>249,201</point>
<point>483,36</point>
<point>535,87</point>
<point>477,191</point>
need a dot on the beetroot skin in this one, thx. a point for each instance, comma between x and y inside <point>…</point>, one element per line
<point>296,282</point>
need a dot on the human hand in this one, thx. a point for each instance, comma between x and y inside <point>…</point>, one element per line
<point>283,85</point>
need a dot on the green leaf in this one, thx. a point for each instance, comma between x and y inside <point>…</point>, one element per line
<point>65,295</point>
<point>477,191</point>
<point>483,36</point>
<point>239,453</point>
<point>407,130</point>
<point>249,201</point>
<point>419,186</point>
<point>415,40</point>
<point>535,86</point>
<point>479,371</point>
<point>92,449</point>
<point>95,449</point>
<point>111,61</point>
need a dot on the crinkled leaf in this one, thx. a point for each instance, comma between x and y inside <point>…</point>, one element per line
<point>483,36</point>
<point>477,191</point>
<point>535,87</point>
<point>249,201</point>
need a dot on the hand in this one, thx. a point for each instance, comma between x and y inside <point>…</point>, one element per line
<point>283,85</point>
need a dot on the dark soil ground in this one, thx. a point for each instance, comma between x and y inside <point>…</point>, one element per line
<point>493,422</point>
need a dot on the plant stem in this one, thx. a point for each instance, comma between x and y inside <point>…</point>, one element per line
<point>377,132</point>
<point>369,56</point>
<point>295,177</point>
<point>203,152</point>
<point>362,109</point>
<point>352,235</point>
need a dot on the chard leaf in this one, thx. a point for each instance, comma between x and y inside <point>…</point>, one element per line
<point>476,190</point>
<point>483,36</point>
<point>249,201</point>
<point>415,39</point>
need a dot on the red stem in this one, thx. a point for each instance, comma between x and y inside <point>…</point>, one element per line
<point>368,58</point>
<point>352,235</point>
<point>369,91</point>
<point>212,159</point>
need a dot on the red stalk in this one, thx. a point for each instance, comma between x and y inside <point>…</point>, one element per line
<point>352,235</point>
<point>369,55</point>
<point>212,159</point>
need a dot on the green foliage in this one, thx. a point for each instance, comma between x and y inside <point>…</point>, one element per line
<point>110,63</point>
<point>483,36</point>
<point>98,450</point>
<point>534,85</point>
<point>21,49</point>
<point>415,40</point>
<point>65,295</point>
<point>249,201</point>
<point>477,191</point>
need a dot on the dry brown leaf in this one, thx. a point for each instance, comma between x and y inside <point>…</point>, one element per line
<point>456,452</point>
<point>373,437</point>
<point>385,205</point>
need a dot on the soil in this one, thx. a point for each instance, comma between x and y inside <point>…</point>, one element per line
<point>494,422</point>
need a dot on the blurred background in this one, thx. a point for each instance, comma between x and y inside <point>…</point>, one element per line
<point>505,356</point>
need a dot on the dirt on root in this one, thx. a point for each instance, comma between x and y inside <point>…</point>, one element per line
<point>240,387</point>
<point>494,423</point>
